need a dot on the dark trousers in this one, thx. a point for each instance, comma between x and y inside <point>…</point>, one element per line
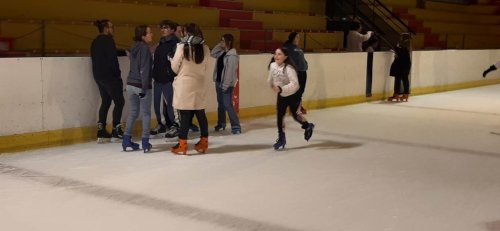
<point>282,103</point>
<point>186,117</point>
<point>302,76</point>
<point>225,104</point>
<point>111,91</point>
<point>397,84</point>
<point>167,91</point>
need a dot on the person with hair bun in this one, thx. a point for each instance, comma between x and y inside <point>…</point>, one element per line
<point>139,85</point>
<point>107,75</point>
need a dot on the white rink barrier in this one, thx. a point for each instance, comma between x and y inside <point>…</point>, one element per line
<point>55,100</point>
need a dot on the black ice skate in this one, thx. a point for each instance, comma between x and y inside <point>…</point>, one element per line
<point>309,131</point>
<point>102,135</point>
<point>117,134</point>
<point>160,129</point>
<point>173,132</point>
<point>280,142</point>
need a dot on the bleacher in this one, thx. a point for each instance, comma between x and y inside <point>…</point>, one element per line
<point>454,26</point>
<point>258,25</point>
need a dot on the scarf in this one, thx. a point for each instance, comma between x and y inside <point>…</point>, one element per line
<point>192,40</point>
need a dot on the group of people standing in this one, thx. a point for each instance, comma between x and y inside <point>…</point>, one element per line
<point>177,66</point>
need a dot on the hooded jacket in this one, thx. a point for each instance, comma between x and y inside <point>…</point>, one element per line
<point>229,73</point>
<point>140,66</point>
<point>164,52</point>
<point>297,56</point>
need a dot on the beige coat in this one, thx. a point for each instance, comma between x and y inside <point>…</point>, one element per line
<point>190,92</point>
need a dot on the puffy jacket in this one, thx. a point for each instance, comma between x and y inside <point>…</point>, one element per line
<point>285,77</point>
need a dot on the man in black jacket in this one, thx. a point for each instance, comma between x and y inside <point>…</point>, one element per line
<point>164,76</point>
<point>107,75</point>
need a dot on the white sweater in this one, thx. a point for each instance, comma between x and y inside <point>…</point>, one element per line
<point>286,78</point>
<point>355,40</point>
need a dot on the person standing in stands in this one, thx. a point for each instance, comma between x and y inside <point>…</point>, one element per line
<point>225,78</point>
<point>400,69</point>
<point>491,68</point>
<point>190,62</point>
<point>372,44</point>
<point>355,39</point>
<point>139,87</point>
<point>164,76</point>
<point>297,55</point>
<point>283,81</point>
<point>107,75</point>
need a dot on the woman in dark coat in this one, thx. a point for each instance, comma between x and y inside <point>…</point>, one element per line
<point>400,69</point>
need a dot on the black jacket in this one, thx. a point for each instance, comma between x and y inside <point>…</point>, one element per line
<point>402,63</point>
<point>104,59</point>
<point>162,70</point>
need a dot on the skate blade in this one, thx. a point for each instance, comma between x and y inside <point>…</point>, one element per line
<point>103,140</point>
<point>115,140</point>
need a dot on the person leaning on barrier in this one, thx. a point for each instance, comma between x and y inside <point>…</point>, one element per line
<point>355,39</point>
<point>107,75</point>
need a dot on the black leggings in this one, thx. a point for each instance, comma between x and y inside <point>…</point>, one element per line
<point>111,91</point>
<point>397,84</point>
<point>186,117</point>
<point>282,103</point>
<point>302,76</point>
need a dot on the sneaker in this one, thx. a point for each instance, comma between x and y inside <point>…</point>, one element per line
<point>117,133</point>
<point>236,131</point>
<point>219,127</point>
<point>172,133</point>
<point>159,129</point>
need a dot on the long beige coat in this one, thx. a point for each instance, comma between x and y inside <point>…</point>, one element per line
<point>190,92</point>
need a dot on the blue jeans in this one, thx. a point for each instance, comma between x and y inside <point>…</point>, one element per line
<point>136,105</point>
<point>225,103</point>
<point>168,93</point>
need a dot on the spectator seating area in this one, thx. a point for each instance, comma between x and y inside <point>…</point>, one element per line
<point>257,25</point>
<point>453,26</point>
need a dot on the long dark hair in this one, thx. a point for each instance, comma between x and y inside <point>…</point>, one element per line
<point>405,40</point>
<point>291,37</point>
<point>100,24</point>
<point>288,60</point>
<point>229,40</point>
<point>140,31</point>
<point>196,50</point>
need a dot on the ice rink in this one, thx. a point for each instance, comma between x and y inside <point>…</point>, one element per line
<point>431,164</point>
